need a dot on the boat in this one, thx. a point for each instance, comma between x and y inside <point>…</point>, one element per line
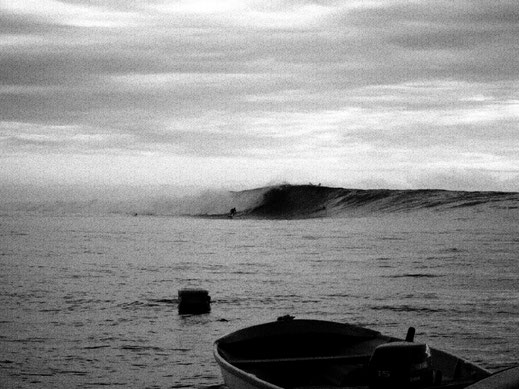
<point>317,354</point>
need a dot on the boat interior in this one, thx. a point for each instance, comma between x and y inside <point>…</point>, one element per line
<point>331,359</point>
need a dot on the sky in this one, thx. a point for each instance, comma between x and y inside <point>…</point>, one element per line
<point>242,94</point>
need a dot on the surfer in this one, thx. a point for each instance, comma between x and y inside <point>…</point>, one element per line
<point>232,212</point>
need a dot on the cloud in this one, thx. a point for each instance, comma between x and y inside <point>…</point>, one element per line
<point>383,87</point>
<point>68,13</point>
<point>41,139</point>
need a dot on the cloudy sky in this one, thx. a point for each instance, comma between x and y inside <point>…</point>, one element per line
<point>238,94</point>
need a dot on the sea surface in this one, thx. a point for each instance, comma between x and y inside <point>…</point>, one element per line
<point>90,300</point>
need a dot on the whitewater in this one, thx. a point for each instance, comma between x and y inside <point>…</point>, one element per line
<point>88,291</point>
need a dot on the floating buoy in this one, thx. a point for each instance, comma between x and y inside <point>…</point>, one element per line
<point>194,301</point>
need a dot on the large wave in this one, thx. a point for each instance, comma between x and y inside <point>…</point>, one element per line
<point>311,201</point>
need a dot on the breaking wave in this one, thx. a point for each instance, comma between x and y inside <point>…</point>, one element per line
<point>310,201</point>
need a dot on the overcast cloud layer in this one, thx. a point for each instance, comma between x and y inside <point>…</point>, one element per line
<point>398,94</point>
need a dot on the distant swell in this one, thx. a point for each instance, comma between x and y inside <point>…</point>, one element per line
<point>415,275</point>
<point>407,308</point>
<point>281,202</point>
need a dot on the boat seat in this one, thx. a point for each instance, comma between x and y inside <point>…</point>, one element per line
<point>350,359</point>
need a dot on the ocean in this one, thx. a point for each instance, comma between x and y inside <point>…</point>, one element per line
<point>89,299</point>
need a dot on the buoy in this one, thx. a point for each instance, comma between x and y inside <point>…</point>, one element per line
<point>194,301</point>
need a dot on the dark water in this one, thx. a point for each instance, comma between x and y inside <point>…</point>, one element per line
<point>90,300</point>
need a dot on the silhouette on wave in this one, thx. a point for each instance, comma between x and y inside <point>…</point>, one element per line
<point>313,201</point>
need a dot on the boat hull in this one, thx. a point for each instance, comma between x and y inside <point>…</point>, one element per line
<point>317,354</point>
<point>238,379</point>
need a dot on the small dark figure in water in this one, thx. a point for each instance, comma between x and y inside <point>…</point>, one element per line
<point>232,212</point>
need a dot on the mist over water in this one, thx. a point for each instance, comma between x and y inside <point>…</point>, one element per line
<point>89,298</point>
<point>121,200</point>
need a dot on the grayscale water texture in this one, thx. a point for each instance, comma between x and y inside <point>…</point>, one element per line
<point>91,300</point>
